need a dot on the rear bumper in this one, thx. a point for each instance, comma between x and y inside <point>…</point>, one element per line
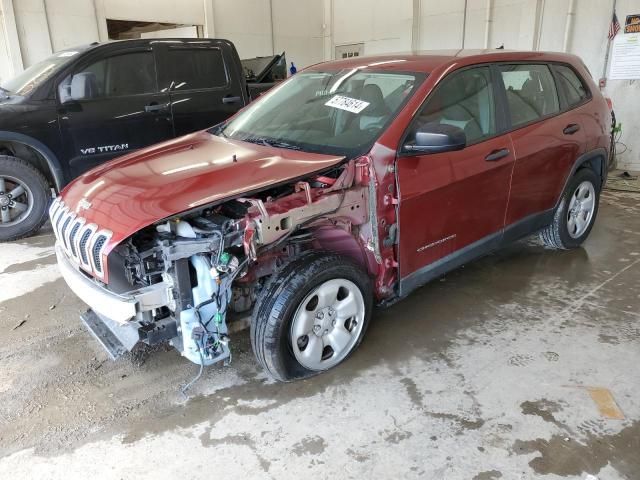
<point>117,307</point>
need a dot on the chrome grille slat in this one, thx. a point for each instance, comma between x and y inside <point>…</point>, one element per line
<point>84,243</point>
<point>63,230</point>
<point>96,251</point>
<point>75,228</point>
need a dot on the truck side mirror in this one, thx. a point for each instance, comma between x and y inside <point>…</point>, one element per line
<point>83,86</point>
<point>437,138</point>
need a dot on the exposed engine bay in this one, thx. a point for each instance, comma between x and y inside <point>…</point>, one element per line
<point>212,262</point>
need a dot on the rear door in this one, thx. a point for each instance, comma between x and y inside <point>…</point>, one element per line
<point>452,204</point>
<point>203,84</point>
<point>120,108</point>
<point>547,138</point>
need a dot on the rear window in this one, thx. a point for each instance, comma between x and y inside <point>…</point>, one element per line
<point>531,92</point>
<point>195,68</point>
<point>574,88</point>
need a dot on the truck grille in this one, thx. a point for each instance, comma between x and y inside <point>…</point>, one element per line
<point>84,243</point>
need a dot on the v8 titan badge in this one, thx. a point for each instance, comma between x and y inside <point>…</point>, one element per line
<point>349,104</point>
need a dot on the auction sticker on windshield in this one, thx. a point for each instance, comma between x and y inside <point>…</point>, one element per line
<point>349,104</point>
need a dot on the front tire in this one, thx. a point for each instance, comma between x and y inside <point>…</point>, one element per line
<point>576,213</point>
<point>24,199</point>
<point>311,316</point>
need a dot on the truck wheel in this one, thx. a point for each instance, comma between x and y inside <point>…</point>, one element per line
<point>576,213</point>
<point>311,316</point>
<point>24,199</point>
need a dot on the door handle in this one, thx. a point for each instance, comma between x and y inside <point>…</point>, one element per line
<point>230,99</point>
<point>156,107</point>
<point>571,129</point>
<point>497,155</point>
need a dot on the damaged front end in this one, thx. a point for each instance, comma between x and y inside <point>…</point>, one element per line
<point>184,279</point>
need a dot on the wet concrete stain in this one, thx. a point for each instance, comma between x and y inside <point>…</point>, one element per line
<point>488,475</point>
<point>48,259</point>
<point>543,409</point>
<point>463,423</point>
<point>397,436</point>
<point>357,456</point>
<point>310,446</point>
<point>610,339</point>
<point>564,456</point>
<point>240,439</point>
<point>412,391</point>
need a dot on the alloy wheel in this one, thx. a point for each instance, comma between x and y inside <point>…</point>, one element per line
<point>16,201</point>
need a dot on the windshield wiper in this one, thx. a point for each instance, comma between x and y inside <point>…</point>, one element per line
<point>270,142</point>
<point>4,93</point>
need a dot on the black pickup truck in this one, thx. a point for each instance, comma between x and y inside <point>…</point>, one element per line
<point>84,106</point>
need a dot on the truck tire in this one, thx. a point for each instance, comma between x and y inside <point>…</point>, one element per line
<point>576,213</point>
<point>24,199</point>
<point>311,315</point>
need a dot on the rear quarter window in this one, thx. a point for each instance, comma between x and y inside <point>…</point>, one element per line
<point>573,86</point>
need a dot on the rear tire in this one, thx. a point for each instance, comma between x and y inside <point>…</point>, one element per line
<point>576,213</point>
<point>311,316</point>
<point>24,199</point>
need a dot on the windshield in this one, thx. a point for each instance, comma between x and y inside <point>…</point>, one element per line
<point>339,113</point>
<point>27,81</point>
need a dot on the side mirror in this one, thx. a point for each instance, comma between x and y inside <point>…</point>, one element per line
<point>83,86</point>
<point>437,138</point>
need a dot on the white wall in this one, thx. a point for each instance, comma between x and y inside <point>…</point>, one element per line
<point>298,30</point>
<point>245,22</point>
<point>10,58</point>
<point>383,26</point>
<point>441,24</point>
<point>33,31</point>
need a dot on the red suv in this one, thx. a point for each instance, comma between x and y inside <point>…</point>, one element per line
<point>349,185</point>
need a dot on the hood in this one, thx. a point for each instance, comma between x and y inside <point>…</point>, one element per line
<point>144,187</point>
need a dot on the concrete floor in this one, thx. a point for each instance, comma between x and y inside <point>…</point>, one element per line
<point>492,372</point>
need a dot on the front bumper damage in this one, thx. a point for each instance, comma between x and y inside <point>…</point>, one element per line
<point>122,321</point>
<point>110,316</point>
<point>118,307</point>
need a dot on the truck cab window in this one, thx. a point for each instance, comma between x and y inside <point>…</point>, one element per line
<point>117,76</point>
<point>195,69</point>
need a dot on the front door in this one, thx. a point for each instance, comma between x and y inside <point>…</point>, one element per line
<point>112,106</point>
<point>202,86</point>
<point>452,205</point>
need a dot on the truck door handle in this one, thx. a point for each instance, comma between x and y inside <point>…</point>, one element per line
<point>571,129</point>
<point>156,107</point>
<point>497,155</point>
<point>230,99</point>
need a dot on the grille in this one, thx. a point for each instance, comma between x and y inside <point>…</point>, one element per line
<point>85,243</point>
<point>72,235</point>
<point>97,250</point>
<point>84,239</point>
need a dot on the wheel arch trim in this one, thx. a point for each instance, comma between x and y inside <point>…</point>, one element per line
<point>49,157</point>
<point>600,155</point>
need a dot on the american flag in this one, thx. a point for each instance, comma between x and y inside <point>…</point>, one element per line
<point>614,28</point>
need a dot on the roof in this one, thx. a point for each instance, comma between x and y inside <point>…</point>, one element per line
<point>427,61</point>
